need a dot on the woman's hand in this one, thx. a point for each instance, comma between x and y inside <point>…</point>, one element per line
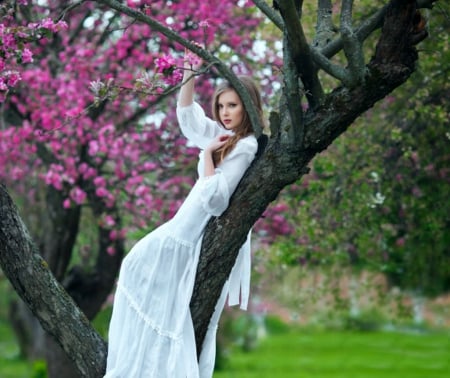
<point>192,61</point>
<point>215,144</point>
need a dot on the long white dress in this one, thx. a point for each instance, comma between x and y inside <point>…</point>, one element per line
<point>151,334</point>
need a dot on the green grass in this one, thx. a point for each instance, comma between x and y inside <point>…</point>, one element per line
<point>340,354</point>
<point>308,354</point>
<point>11,365</point>
<point>294,353</point>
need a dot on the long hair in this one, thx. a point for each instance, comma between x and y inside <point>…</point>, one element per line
<point>245,128</point>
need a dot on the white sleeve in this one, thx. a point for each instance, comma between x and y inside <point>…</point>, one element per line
<point>217,189</point>
<point>196,126</point>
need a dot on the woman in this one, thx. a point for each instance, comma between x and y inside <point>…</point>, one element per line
<point>151,332</point>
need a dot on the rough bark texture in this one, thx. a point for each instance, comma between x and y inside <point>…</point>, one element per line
<point>284,161</point>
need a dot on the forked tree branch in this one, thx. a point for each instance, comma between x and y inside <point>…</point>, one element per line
<point>367,27</point>
<point>300,52</point>
<point>352,46</point>
<point>325,30</point>
<point>270,13</point>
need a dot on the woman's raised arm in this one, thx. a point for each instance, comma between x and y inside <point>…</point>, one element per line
<point>192,63</point>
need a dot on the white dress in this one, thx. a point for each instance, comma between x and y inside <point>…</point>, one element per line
<point>151,334</point>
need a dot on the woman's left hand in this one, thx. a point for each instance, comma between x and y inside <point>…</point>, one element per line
<point>216,143</point>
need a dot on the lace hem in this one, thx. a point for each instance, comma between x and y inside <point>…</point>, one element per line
<point>171,335</point>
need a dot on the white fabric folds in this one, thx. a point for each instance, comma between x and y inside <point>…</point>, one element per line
<point>151,333</point>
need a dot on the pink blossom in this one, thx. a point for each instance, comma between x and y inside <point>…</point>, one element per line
<point>174,78</point>
<point>13,79</point>
<point>27,56</point>
<point>89,173</point>
<point>73,112</point>
<point>53,178</point>
<point>99,181</point>
<point>400,242</point>
<point>78,195</point>
<point>109,221</point>
<point>101,192</point>
<point>67,204</point>
<point>111,250</point>
<point>16,139</point>
<point>165,64</point>
<point>113,235</point>
<point>149,166</point>
<point>47,23</point>
<point>93,147</point>
<point>9,42</point>
<point>141,190</point>
<point>3,86</point>
<point>193,59</point>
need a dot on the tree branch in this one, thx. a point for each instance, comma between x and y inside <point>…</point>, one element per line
<point>321,57</point>
<point>352,46</point>
<point>70,8</point>
<point>325,29</point>
<point>367,27</point>
<point>300,52</point>
<point>292,127</point>
<point>270,13</point>
<point>328,66</point>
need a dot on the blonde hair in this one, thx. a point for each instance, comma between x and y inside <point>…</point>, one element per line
<point>245,128</point>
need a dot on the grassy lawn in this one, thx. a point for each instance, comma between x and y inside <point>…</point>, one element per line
<point>303,354</point>
<point>11,366</point>
<point>293,353</point>
<point>307,354</point>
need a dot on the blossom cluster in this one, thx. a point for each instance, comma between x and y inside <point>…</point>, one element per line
<point>167,66</point>
<point>15,48</point>
<point>120,153</point>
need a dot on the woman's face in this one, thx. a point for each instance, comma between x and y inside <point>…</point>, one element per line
<point>231,109</point>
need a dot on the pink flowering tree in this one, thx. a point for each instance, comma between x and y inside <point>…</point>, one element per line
<point>89,143</point>
<point>88,133</point>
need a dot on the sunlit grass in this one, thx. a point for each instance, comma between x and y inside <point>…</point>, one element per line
<point>321,354</point>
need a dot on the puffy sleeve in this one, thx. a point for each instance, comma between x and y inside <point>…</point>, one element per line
<point>196,126</point>
<point>217,189</point>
